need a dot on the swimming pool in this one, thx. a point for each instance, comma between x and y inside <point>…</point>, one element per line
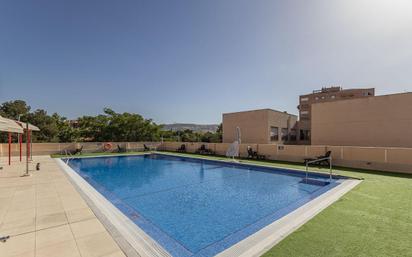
<point>195,207</point>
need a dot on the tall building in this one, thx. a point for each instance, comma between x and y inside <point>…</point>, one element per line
<point>326,94</point>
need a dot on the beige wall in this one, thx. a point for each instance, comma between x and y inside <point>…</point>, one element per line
<point>380,121</point>
<point>372,158</point>
<point>255,125</point>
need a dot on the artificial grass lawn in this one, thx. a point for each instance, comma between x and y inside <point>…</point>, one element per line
<point>374,219</point>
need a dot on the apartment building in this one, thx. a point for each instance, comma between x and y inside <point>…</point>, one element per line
<point>384,121</point>
<point>263,126</point>
<point>326,94</point>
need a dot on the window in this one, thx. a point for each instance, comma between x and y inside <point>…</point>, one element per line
<point>316,98</point>
<point>285,134</point>
<point>323,97</point>
<point>304,112</point>
<point>292,135</point>
<point>304,99</point>
<point>304,135</point>
<point>333,96</point>
<point>274,133</point>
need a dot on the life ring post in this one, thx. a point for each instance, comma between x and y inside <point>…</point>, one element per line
<point>107,146</point>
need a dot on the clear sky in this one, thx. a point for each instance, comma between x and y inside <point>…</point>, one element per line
<point>190,61</point>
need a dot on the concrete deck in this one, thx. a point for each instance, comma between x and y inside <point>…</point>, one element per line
<point>45,216</point>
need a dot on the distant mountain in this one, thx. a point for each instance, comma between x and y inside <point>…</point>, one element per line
<point>194,127</point>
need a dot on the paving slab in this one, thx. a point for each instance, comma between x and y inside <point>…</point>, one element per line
<point>45,216</point>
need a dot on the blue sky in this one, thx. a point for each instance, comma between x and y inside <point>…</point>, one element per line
<point>190,61</point>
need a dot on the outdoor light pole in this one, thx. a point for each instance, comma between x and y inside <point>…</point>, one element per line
<point>31,143</point>
<point>26,174</point>
<point>20,146</point>
<point>9,140</point>
<point>20,139</point>
<point>27,150</point>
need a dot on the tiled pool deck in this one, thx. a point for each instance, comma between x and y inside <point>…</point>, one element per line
<point>45,216</point>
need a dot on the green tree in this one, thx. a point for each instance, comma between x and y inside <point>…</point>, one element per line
<point>47,124</point>
<point>130,127</point>
<point>168,135</point>
<point>66,133</point>
<point>13,109</point>
<point>112,126</point>
<point>192,136</point>
<point>93,128</point>
<point>109,126</point>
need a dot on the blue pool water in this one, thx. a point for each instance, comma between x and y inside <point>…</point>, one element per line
<point>196,207</point>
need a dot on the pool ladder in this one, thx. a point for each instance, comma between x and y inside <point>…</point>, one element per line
<point>318,160</point>
<point>69,156</point>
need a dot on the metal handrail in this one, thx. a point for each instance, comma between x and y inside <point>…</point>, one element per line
<point>317,160</point>
<point>68,154</point>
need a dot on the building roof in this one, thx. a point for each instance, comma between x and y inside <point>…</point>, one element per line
<point>335,90</point>
<point>8,125</point>
<point>363,98</point>
<point>31,126</point>
<point>14,126</point>
<point>265,109</point>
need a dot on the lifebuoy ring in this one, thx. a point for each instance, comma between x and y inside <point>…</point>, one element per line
<point>107,146</point>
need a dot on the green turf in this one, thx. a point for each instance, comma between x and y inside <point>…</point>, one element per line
<point>374,219</point>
